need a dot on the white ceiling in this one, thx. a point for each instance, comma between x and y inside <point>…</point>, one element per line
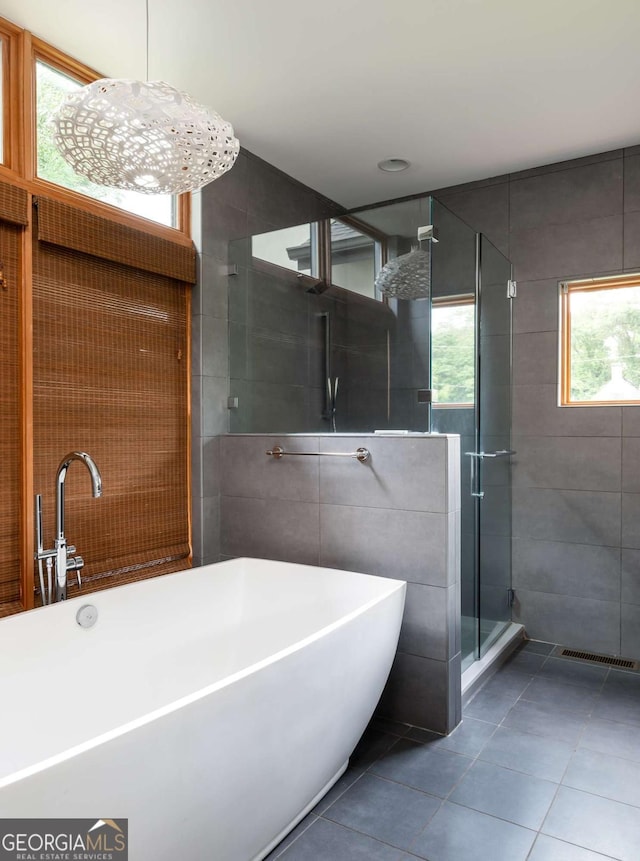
<point>324,89</point>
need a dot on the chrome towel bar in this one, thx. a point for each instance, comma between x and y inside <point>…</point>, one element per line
<point>361,454</point>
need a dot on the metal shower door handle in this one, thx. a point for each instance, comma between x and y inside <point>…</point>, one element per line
<point>474,457</point>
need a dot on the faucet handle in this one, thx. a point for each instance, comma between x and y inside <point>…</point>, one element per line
<point>76,563</point>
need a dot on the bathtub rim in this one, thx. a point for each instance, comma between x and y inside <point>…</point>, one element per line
<point>394,585</point>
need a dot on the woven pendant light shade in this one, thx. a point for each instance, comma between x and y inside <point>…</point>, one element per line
<point>143,136</point>
<point>407,276</point>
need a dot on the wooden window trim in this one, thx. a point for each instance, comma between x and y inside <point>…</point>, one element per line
<point>43,52</point>
<point>584,285</point>
<point>19,165</point>
<point>12,97</point>
<point>20,51</point>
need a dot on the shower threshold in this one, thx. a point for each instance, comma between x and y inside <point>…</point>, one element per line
<point>479,671</point>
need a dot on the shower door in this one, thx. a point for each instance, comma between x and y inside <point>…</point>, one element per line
<point>490,463</point>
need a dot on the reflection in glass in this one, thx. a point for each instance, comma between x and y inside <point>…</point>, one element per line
<point>290,248</point>
<point>353,259</point>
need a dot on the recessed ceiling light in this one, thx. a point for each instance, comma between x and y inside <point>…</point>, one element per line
<point>393,164</point>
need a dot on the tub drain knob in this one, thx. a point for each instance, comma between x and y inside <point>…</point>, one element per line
<point>87,616</point>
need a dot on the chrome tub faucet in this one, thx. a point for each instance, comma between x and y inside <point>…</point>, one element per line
<point>61,555</point>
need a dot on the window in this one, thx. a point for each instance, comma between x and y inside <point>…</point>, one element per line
<point>600,341</point>
<point>2,65</point>
<point>453,351</point>
<point>117,289</point>
<point>52,87</point>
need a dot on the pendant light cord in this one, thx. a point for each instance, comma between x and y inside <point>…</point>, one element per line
<point>147,42</point>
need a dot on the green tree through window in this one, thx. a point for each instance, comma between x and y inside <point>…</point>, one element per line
<point>452,353</point>
<point>604,337</point>
<point>52,88</point>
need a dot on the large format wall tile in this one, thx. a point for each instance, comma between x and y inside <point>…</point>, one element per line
<point>486,209</point>
<point>578,194</point>
<point>631,520</point>
<point>631,577</point>
<point>631,421</point>
<point>410,545</point>
<point>402,473</point>
<point>215,415</point>
<point>630,621</point>
<point>211,535</point>
<point>536,413</point>
<point>215,347</point>
<point>248,471</point>
<point>632,184</point>
<point>535,359</point>
<point>426,621</point>
<point>270,529</point>
<point>631,464</point>
<point>578,622</point>
<point>583,570</point>
<point>568,250</point>
<point>535,308</point>
<point>417,692</point>
<point>569,463</point>
<point>631,240</point>
<point>582,517</point>
<point>569,164</point>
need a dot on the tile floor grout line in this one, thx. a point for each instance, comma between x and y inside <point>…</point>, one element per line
<point>573,746</point>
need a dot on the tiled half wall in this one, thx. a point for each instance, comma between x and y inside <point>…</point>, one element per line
<point>397,515</point>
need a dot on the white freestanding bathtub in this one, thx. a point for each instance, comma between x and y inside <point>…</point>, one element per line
<point>212,708</point>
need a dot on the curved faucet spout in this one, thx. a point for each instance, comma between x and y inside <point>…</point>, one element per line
<point>96,483</point>
<point>62,549</point>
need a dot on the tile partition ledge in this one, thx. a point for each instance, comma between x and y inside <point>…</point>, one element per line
<point>397,515</point>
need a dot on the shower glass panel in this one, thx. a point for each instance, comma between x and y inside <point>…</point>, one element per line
<point>315,348</point>
<point>313,345</point>
<point>492,468</point>
<point>454,281</point>
<point>394,228</point>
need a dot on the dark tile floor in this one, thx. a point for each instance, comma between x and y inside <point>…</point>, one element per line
<point>544,767</point>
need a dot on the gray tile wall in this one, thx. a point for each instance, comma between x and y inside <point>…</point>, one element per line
<point>576,490</point>
<point>252,198</point>
<point>277,356</point>
<point>576,546</point>
<point>395,516</point>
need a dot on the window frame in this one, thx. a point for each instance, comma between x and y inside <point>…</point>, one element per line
<point>451,301</point>
<point>63,63</point>
<point>20,52</point>
<point>12,98</point>
<point>565,289</point>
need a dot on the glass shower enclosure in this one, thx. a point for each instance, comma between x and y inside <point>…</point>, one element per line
<point>467,267</point>
<point>315,347</point>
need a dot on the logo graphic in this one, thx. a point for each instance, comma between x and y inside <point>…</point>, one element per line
<point>64,839</point>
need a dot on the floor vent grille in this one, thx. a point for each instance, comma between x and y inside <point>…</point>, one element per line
<point>624,663</point>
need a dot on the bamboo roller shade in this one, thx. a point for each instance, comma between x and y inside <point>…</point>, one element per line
<point>72,228</point>
<point>10,401</point>
<point>110,378</point>
<point>14,204</point>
